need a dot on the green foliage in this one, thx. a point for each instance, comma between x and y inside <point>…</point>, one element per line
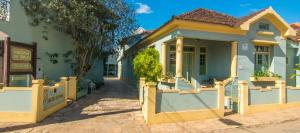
<point>95,26</point>
<point>265,74</point>
<point>146,64</point>
<point>297,68</point>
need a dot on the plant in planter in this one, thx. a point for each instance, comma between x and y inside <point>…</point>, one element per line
<point>264,76</point>
<point>146,64</point>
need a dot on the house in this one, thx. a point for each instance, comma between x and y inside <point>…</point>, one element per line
<point>125,66</point>
<point>32,55</point>
<point>212,62</point>
<point>204,45</point>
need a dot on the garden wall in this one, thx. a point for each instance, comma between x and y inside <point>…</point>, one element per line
<point>33,104</point>
<point>165,106</point>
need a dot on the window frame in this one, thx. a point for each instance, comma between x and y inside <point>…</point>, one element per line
<point>262,53</point>
<point>262,26</point>
<point>6,17</point>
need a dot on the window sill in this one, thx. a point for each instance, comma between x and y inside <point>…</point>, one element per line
<point>265,33</point>
<point>263,79</point>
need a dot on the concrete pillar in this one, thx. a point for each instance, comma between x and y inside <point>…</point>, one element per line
<point>234,59</point>
<point>282,91</point>
<point>244,93</point>
<point>72,87</point>
<point>164,59</point>
<point>64,81</point>
<point>37,99</point>
<point>151,102</point>
<point>179,56</point>
<point>220,87</point>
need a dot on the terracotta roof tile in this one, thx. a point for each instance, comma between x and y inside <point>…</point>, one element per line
<point>208,16</point>
<point>213,17</point>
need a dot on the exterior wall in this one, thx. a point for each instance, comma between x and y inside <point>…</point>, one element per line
<point>257,97</point>
<point>173,102</point>
<point>20,30</point>
<point>293,59</point>
<point>293,95</point>
<point>246,52</point>
<point>16,101</point>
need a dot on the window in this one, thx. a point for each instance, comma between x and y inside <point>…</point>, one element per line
<point>202,61</point>
<point>263,26</point>
<point>172,68</point>
<point>262,56</point>
<point>4,10</point>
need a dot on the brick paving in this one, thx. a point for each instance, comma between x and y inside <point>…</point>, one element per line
<point>115,109</point>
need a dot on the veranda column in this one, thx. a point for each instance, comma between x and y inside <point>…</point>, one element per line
<point>164,59</point>
<point>179,56</point>
<point>234,59</point>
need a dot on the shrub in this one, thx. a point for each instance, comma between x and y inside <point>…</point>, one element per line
<point>146,64</point>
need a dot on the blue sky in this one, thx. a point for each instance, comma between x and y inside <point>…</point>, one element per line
<point>153,13</point>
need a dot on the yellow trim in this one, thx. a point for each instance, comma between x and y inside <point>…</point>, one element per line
<point>4,89</point>
<point>293,88</point>
<point>199,26</point>
<point>264,42</point>
<point>273,17</point>
<point>265,33</point>
<point>171,117</point>
<point>17,117</point>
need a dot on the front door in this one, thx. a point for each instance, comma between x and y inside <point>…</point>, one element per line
<point>188,65</point>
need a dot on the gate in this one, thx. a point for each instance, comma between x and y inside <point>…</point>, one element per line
<point>232,96</point>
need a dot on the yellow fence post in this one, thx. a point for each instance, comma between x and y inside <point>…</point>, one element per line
<point>282,94</point>
<point>64,80</point>
<point>220,87</point>
<point>37,99</point>
<point>151,100</point>
<point>72,87</point>
<point>141,90</point>
<point>244,94</point>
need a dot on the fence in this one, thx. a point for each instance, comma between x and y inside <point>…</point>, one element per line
<point>164,106</point>
<point>262,99</point>
<point>33,104</point>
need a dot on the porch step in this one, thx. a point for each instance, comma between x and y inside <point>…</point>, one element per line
<point>182,84</point>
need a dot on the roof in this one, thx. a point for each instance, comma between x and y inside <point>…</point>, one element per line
<point>296,26</point>
<point>213,17</point>
<point>208,16</point>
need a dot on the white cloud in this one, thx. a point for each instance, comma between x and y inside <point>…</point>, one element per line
<point>143,9</point>
<point>254,10</point>
<point>245,5</point>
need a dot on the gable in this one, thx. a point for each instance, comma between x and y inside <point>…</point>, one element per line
<point>270,15</point>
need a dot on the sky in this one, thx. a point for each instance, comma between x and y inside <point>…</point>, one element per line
<point>151,14</point>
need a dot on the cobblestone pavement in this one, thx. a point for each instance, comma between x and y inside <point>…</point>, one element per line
<point>115,108</point>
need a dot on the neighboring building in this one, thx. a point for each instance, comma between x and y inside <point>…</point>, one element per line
<point>125,66</point>
<point>111,65</point>
<point>33,56</point>
<point>203,46</point>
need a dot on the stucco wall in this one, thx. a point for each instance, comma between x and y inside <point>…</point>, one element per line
<point>257,97</point>
<point>16,101</point>
<point>172,102</point>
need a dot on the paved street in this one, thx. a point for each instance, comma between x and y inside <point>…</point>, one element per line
<point>115,109</point>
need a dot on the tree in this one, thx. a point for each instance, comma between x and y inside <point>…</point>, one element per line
<point>95,26</point>
<point>146,64</point>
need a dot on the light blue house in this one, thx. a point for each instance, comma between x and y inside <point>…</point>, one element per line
<point>43,58</point>
<point>201,47</point>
